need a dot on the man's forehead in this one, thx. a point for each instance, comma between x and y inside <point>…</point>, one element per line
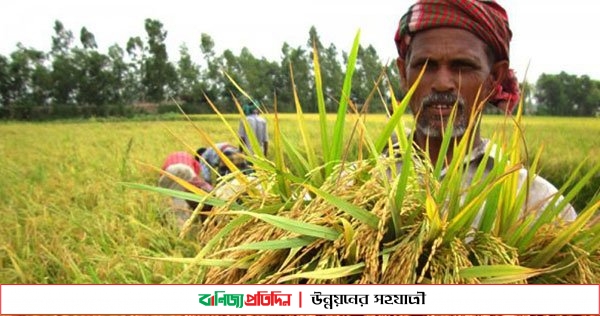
<point>447,40</point>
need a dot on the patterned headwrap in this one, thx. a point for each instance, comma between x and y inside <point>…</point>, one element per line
<point>484,18</point>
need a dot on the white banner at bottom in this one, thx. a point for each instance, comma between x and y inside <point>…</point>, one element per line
<point>299,299</point>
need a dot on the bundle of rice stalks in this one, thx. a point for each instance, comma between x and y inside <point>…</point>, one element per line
<point>345,234</point>
<point>395,218</point>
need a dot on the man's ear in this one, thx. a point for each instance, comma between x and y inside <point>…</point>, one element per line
<point>499,72</point>
<point>401,63</point>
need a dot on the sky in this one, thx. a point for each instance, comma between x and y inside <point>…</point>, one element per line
<point>548,36</point>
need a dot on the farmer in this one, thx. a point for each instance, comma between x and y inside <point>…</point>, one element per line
<point>198,171</point>
<point>465,47</point>
<point>182,165</point>
<point>258,124</point>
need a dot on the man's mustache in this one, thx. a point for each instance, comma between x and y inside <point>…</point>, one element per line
<point>444,98</point>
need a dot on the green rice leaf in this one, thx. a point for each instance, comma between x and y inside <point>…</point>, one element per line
<point>326,274</point>
<point>207,199</point>
<point>222,117</point>
<point>284,188</point>
<point>294,226</point>
<point>401,186</point>
<point>249,131</point>
<point>441,159</point>
<point>338,131</point>
<point>580,183</point>
<point>357,212</point>
<point>299,165</point>
<point>233,224</point>
<point>469,210</point>
<point>589,239</point>
<point>321,103</point>
<point>274,244</point>
<point>396,119</point>
<point>310,151</point>
<point>502,273</point>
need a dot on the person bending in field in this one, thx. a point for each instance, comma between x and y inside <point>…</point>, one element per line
<point>185,166</point>
<point>198,171</point>
<point>465,47</point>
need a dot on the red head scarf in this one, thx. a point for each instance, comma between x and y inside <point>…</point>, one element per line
<point>484,18</point>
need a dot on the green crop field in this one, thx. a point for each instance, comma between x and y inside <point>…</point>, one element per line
<point>65,216</point>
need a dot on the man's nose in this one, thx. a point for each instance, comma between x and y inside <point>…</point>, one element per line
<point>445,80</point>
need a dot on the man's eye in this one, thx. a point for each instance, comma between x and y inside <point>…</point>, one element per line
<point>420,65</point>
<point>464,66</point>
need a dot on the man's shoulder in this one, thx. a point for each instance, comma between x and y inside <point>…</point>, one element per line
<point>253,119</point>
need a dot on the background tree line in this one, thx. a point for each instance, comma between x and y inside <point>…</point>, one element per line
<point>74,79</point>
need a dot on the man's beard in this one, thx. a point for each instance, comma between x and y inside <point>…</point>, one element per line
<point>430,126</point>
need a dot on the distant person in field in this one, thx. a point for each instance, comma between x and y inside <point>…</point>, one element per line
<point>258,124</point>
<point>465,47</point>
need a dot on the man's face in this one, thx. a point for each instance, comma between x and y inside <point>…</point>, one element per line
<point>457,67</point>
